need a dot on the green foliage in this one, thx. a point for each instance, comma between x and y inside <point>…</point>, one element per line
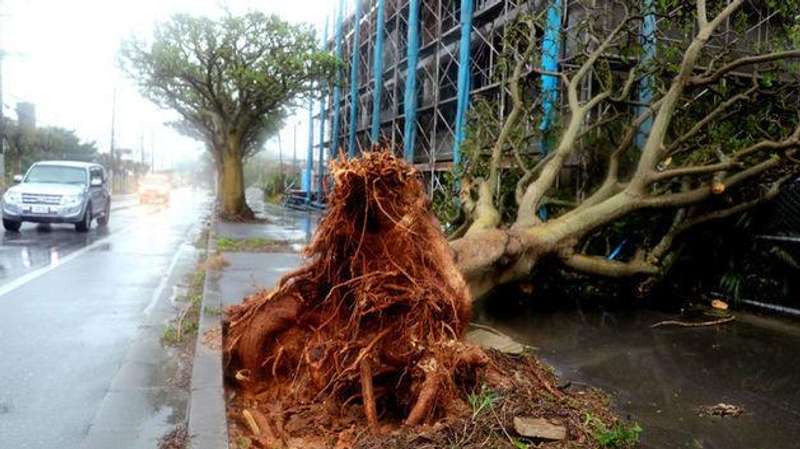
<point>247,245</point>
<point>232,80</point>
<point>618,436</point>
<point>482,400</point>
<point>24,146</point>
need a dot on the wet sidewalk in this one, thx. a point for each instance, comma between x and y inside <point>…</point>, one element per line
<point>247,271</point>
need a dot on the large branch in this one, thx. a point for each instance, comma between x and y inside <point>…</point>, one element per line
<point>743,62</point>
<point>610,268</point>
<point>526,212</point>
<point>654,148</point>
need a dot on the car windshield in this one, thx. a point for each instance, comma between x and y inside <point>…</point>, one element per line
<point>154,180</point>
<point>56,174</point>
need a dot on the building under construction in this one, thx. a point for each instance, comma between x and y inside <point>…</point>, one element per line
<point>456,48</point>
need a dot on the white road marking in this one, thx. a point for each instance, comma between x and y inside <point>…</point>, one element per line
<point>164,278</point>
<point>35,274</point>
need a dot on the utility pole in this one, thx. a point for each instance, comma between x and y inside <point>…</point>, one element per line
<point>294,143</point>
<point>280,153</point>
<point>2,117</point>
<point>115,176</point>
<point>152,151</point>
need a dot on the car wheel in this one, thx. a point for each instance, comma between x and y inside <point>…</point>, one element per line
<point>103,221</point>
<point>11,225</point>
<point>86,223</point>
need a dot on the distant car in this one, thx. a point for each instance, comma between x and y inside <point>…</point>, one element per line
<point>58,192</point>
<point>154,188</point>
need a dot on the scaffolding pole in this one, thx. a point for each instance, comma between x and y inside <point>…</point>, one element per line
<point>351,136</point>
<point>463,79</point>
<point>647,37</point>
<point>337,90</point>
<point>410,95</point>
<point>322,112</point>
<point>377,70</point>
<point>551,48</point>
<point>308,180</point>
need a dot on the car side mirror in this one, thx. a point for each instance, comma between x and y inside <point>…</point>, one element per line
<point>17,179</point>
<point>96,182</point>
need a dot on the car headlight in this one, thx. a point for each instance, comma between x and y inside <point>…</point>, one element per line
<point>71,200</point>
<point>12,198</point>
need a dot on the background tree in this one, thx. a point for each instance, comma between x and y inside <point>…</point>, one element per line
<point>723,138</point>
<point>24,146</point>
<point>232,80</point>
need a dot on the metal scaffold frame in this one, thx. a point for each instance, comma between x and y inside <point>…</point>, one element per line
<point>457,59</point>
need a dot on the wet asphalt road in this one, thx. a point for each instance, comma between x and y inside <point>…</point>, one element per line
<point>70,307</point>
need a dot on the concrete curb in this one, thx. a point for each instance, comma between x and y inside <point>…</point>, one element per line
<point>208,425</point>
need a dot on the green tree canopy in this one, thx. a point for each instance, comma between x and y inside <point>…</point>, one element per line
<point>233,80</point>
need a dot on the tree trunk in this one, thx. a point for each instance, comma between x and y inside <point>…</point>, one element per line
<point>231,196</point>
<point>492,257</point>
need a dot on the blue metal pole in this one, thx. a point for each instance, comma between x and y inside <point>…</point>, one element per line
<point>337,87</point>
<point>648,39</point>
<point>410,97</point>
<point>354,60</point>
<point>321,168</point>
<point>377,72</point>
<point>464,62</point>
<point>551,48</point>
<point>307,181</point>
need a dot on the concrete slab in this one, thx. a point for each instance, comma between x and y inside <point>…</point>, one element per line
<point>248,273</point>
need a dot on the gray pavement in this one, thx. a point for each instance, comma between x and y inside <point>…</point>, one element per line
<point>250,272</point>
<point>80,317</point>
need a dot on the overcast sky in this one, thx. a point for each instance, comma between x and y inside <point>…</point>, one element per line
<point>62,56</point>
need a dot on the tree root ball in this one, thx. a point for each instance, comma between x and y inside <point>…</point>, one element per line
<point>376,315</point>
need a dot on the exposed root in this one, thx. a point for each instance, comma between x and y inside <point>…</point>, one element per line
<point>377,313</point>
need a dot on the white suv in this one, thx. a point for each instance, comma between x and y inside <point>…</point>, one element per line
<point>58,192</point>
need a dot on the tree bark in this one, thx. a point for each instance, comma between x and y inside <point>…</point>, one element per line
<point>232,198</point>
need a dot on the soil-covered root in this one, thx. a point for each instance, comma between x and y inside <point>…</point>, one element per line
<point>509,387</point>
<point>375,317</point>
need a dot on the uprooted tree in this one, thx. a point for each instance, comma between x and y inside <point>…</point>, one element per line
<point>723,134</point>
<point>378,311</point>
<point>232,81</point>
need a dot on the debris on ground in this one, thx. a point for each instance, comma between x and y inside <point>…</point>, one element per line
<point>212,338</point>
<point>177,438</point>
<point>488,339</point>
<point>715,322</point>
<point>539,428</point>
<point>363,346</point>
<point>719,304</point>
<point>720,409</point>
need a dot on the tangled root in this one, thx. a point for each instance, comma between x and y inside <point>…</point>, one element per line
<point>376,314</point>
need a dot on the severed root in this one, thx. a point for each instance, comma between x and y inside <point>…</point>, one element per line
<point>368,395</point>
<point>426,399</point>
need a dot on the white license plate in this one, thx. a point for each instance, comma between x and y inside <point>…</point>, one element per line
<point>40,209</point>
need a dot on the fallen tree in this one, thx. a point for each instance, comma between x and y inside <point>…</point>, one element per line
<point>723,133</point>
<point>379,308</point>
<point>369,334</point>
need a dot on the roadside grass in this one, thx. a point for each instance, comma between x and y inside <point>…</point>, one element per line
<point>482,400</point>
<point>185,325</point>
<point>618,436</point>
<point>257,244</point>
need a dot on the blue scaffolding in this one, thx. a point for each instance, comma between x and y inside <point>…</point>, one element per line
<point>337,89</point>
<point>351,136</point>
<point>464,61</point>
<point>377,71</point>
<point>410,96</point>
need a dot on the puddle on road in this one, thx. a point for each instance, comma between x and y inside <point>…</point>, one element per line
<point>661,377</point>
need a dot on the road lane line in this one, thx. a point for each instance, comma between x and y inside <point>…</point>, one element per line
<point>24,279</point>
<point>164,279</point>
